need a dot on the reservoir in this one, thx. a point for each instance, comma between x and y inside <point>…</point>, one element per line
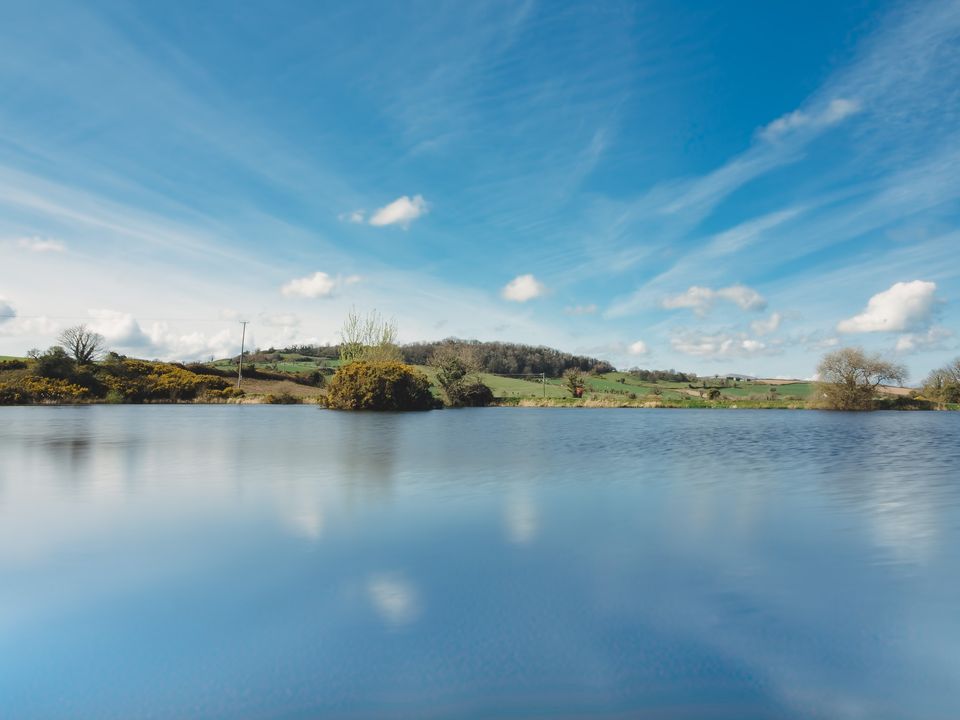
<point>232,561</point>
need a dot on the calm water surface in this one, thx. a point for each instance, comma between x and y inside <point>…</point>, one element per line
<point>286,562</point>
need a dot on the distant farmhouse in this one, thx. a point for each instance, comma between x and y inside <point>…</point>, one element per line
<point>737,377</point>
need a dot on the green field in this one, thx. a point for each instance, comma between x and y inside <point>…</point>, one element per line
<point>613,387</point>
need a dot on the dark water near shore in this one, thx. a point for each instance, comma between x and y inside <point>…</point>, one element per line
<point>264,562</point>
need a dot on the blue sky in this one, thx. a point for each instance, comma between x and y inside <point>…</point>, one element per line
<point>707,186</point>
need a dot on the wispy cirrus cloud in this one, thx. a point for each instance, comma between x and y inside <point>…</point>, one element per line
<point>835,111</point>
<point>41,245</point>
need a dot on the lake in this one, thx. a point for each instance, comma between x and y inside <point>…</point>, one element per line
<point>287,562</point>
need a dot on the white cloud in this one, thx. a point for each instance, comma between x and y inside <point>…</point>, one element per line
<point>356,217</point>
<point>905,306</point>
<point>119,329</point>
<point>7,311</point>
<point>40,245</point>
<point>638,348</point>
<point>701,299</point>
<point>402,211</point>
<point>765,327</point>
<point>836,110</point>
<point>930,340</point>
<point>523,288</point>
<point>281,320</point>
<point>580,309</point>
<point>717,345</point>
<point>318,285</point>
<point>167,344</point>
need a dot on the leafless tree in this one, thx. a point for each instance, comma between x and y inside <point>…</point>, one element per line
<point>849,378</point>
<point>82,343</point>
<point>370,338</point>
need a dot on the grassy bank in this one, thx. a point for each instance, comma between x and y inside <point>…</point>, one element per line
<point>289,378</point>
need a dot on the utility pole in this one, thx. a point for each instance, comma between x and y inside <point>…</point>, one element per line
<point>543,379</point>
<point>243,337</point>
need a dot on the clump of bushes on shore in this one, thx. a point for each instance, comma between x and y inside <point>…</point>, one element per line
<point>379,385</point>
<point>55,377</point>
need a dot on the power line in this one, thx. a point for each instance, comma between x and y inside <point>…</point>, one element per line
<point>88,318</point>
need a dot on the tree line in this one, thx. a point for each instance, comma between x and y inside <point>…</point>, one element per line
<point>502,358</point>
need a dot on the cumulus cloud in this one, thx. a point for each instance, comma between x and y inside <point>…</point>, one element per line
<point>580,309</point>
<point>119,329</point>
<point>523,288</point>
<point>402,211</point>
<point>904,307</point>
<point>638,348</point>
<point>718,345</point>
<point>169,344</point>
<point>702,299</point>
<point>318,285</point>
<point>41,245</point>
<point>932,339</point>
<point>836,111</point>
<point>765,327</point>
<point>122,331</point>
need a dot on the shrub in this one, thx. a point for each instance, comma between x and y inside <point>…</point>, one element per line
<point>283,398</point>
<point>217,395</point>
<point>55,363</point>
<point>139,381</point>
<point>12,365</point>
<point>469,394</point>
<point>11,394</point>
<point>53,390</point>
<point>380,385</point>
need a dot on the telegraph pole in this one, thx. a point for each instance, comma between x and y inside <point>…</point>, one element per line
<point>543,379</point>
<point>243,337</point>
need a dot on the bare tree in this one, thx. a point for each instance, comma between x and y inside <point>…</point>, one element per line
<point>370,338</point>
<point>82,343</point>
<point>849,378</point>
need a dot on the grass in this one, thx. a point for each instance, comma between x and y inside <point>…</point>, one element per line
<point>608,390</point>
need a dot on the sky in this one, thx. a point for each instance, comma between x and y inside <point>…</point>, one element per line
<point>713,187</point>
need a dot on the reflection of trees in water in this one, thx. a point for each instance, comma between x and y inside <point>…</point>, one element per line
<point>364,451</point>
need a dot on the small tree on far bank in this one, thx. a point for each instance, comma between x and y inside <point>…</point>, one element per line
<point>574,382</point>
<point>943,384</point>
<point>82,343</point>
<point>458,375</point>
<point>849,378</point>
